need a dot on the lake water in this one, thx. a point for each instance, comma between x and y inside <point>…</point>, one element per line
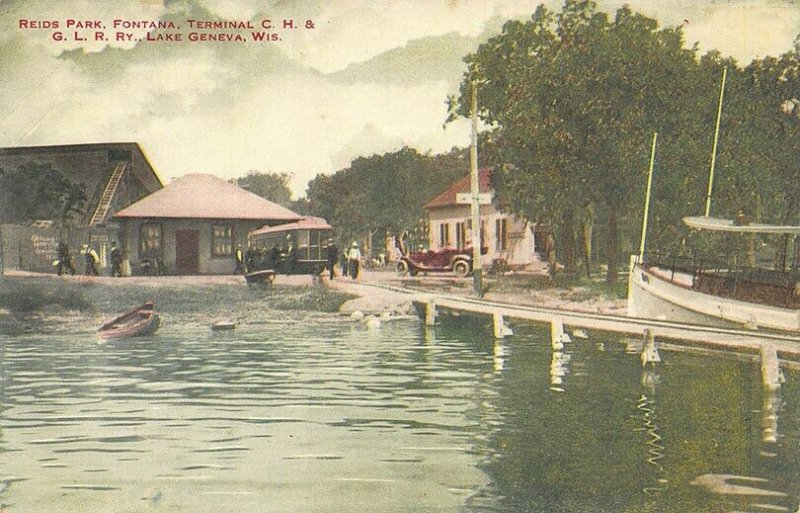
<point>324,415</point>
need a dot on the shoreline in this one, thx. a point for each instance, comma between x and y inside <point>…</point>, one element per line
<point>228,296</point>
<point>520,289</point>
<point>33,303</point>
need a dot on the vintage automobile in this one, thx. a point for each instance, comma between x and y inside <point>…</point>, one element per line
<point>457,261</point>
<point>292,248</point>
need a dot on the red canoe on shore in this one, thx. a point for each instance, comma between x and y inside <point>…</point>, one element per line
<point>142,320</point>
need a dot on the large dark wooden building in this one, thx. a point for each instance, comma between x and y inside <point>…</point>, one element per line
<point>111,175</point>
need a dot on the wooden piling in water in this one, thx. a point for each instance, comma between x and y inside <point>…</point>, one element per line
<point>748,341</point>
<point>499,325</point>
<point>430,313</point>
<point>770,368</point>
<point>650,355</point>
<point>557,335</point>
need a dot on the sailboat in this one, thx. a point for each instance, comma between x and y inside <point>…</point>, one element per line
<point>684,290</point>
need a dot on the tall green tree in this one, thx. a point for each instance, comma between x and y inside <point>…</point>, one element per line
<point>383,194</point>
<point>271,186</point>
<point>47,194</point>
<point>772,139</point>
<point>576,97</point>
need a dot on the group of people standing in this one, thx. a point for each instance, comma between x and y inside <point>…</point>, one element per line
<point>283,258</point>
<point>350,263</point>
<point>65,262</point>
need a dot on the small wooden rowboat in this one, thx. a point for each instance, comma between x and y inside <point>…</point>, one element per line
<point>264,277</point>
<point>223,325</point>
<point>142,320</point>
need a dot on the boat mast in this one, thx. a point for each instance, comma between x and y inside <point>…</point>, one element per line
<point>647,198</point>
<point>716,139</point>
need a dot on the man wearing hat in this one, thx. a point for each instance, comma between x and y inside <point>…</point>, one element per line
<point>64,259</point>
<point>354,259</point>
<point>91,259</point>
<point>238,257</point>
<point>116,260</point>
<point>290,257</point>
<point>332,255</point>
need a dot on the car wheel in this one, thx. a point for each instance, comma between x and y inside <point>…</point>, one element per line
<point>461,268</point>
<point>401,268</point>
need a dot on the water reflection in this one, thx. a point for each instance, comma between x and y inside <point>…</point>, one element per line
<point>194,421</point>
<point>654,443</point>
<point>558,370</point>
<point>770,410</point>
<point>499,355</point>
<point>323,415</point>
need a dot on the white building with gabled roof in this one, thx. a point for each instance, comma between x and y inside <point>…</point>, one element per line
<point>506,237</point>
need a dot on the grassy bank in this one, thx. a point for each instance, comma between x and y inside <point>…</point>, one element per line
<point>578,287</point>
<point>32,303</point>
<point>568,287</point>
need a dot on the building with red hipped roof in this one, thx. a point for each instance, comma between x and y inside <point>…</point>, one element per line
<point>194,224</point>
<point>506,236</point>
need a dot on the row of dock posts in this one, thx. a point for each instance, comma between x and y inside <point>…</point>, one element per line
<point>770,365</point>
<point>501,329</point>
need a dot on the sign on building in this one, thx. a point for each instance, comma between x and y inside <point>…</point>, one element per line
<point>484,198</point>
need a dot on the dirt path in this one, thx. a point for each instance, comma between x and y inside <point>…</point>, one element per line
<point>512,290</point>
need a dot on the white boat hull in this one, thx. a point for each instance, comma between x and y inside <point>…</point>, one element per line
<point>655,294</point>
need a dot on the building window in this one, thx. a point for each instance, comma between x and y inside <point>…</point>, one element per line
<point>461,235</point>
<point>221,240</point>
<point>444,235</point>
<point>501,234</point>
<point>149,240</point>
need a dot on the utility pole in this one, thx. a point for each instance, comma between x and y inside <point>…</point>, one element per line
<point>2,261</point>
<point>477,268</point>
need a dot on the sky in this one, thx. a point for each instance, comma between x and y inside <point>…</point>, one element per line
<point>350,78</point>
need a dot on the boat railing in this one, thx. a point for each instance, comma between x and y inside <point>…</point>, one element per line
<point>751,284</point>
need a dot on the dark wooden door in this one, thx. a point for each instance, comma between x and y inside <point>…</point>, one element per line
<point>187,251</point>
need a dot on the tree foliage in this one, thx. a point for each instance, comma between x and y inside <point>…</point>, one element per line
<point>574,98</point>
<point>383,193</point>
<point>33,191</point>
<point>270,186</point>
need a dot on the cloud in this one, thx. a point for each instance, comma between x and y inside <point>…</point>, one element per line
<point>430,59</point>
<point>351,31</point>
<point>742,29</point>
<point>746,31</point>
<point>370,140</point>
<point>369,77</point>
